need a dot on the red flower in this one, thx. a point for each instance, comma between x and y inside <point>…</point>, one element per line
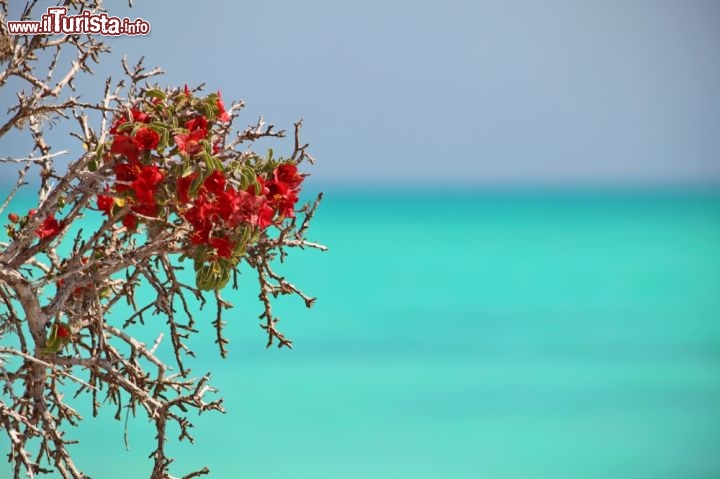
<point>14,218</point>
<point>282,198</point>
<point>188,143</point>
<point>265,215</point>
<point>197,123</point>
<point>146,138</point>
<point>49,228</point>
<point>139,116</point>
<point>207,209</point>
<point>186,90</point>
<point>130,222</point>
<point>222,114</point>
<point>183,187</point>
<point>142,179</point>
<point>242,207</point>
<point>202,213</point>
<point>124,145</point>
<point>223,246</point>
<point>105,204</point>
<point>62,331</point>
<point>200,236</point>
<point>215,183</point>
<point>126,173</point>
<point>145,209</point>
<point>287,174</point>
<point>145,184</point>
<point>228,206</point>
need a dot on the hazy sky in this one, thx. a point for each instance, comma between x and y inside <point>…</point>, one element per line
<point>474,92</point>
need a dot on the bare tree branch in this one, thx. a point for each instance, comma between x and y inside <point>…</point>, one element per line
<point>61,308</point>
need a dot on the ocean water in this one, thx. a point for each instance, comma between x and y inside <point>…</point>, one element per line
<point>460,334</point>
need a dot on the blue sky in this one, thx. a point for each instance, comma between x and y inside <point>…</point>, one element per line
<point>482,92</point>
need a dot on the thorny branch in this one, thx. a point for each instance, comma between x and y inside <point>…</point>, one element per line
<point>105,359</point>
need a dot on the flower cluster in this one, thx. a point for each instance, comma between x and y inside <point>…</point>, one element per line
<point>168,163</point>
<point>219,207</point>
<point>137,181</point>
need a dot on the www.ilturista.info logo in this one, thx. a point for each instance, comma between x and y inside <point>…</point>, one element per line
<point>56,20</point>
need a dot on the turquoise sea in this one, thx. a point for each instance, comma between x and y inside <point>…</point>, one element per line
<point>465,334</point>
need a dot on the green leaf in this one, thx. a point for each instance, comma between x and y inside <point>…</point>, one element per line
<point>180,102</point>
<point>222,281</point>
<point>243,237</point>
<point>213,276</point>
<point>155,93</point>
<point>99,152</point>
<point>218,163</point>
<point>198,262</point>
<point>208,162</point>
<point>164,139</point>
<point>123,128</point>
<point>196,184</point>
<point>249,177</point>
